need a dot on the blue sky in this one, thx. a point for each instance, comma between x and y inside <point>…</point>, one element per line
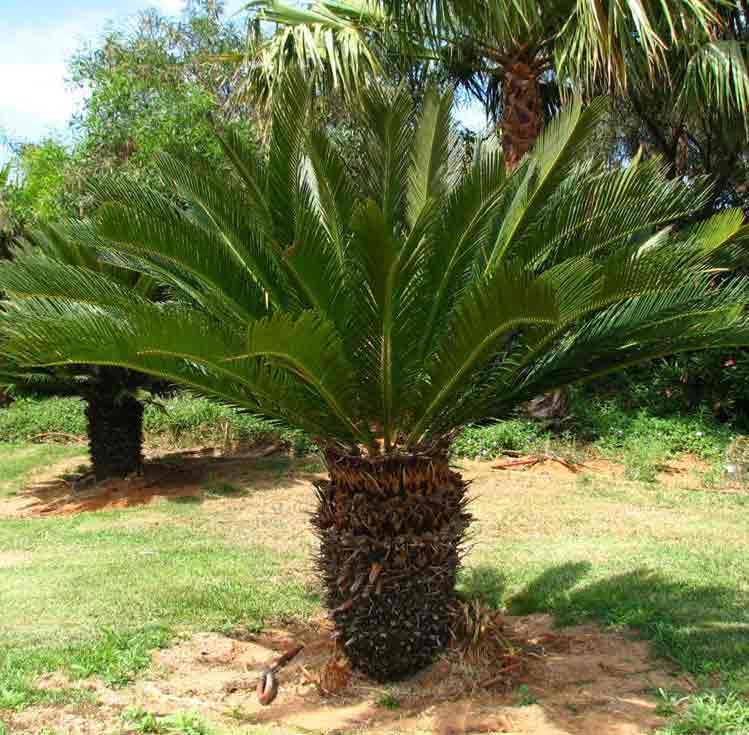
<point>39,36</point>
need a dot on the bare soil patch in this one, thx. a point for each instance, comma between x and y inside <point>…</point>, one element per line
<point>60,490</point>
<point>597,682</point>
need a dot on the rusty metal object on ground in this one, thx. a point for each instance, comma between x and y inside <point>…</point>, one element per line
<point>267,685</point>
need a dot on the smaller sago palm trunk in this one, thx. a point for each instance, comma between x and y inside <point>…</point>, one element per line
<point>115,432</point>
<point>391,530</point>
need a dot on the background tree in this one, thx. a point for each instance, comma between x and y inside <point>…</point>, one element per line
<point>150,85</point>
<point>156,85</point>
<point>114,409</point>
<point>693,113</point>
<point>382,315</point>
<point>514,57</point>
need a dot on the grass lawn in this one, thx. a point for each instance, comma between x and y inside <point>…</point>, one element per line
<point>19,461</point>
<point>93,594</point>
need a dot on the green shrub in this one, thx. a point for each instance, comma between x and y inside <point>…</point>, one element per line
<point>177,419</point>
<point>615,429</point>
<point>711,714</point>
<point>26,418</point>
<point>485,442</point>
<point>639,435</point>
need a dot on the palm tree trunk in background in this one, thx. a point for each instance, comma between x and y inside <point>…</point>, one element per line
<point>390,530</point>
<point>115,432</point>
<point>522,116</point>
<point>521,124</point>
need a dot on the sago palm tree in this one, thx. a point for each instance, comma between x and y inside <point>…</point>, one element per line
<point>114,409</point>
<point>384,314</point>
<point>512,55</point>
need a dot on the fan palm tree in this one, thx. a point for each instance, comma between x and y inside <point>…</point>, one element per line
<point>513,55</point>
<point>114,411</point>
<point>382,315</point>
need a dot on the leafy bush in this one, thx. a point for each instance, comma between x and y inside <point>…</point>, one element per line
<point>643,437</point>
<point>26,418</point>
<point>179,418</point>
<point>614,428</point>
<point>483,442</point>
<point>714,384</point>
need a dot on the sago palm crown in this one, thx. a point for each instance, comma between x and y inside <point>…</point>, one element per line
<point>381,315</point>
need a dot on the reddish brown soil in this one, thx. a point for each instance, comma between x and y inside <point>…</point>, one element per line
<point>597,683</point>
<point>179,474</point>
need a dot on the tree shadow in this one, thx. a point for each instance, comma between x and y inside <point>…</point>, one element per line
<point>483,583</point>
<point>611,686</point>
<point>704,628</point>
<point>545,592</point>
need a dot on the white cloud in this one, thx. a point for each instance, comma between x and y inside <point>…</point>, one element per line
<point>170,7</point>
<point>36,99</point>
<point>34,96</point>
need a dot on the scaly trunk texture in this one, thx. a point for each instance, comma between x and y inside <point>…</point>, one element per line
<point>391,530</point>
<point>115,432</point>
<point>522,115</point>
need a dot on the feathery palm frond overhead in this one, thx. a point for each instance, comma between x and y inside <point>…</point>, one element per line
<point>400,306</point>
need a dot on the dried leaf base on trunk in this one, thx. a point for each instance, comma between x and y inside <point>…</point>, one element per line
<point>390,531</point>
<point>522,116</point>
<point>115,429</point>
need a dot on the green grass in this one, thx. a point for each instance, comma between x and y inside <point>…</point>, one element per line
<point>18,461</point>
<point>106,589</point>
<point>668,564</point>
<point>93,595</point>
<point>487,442</point>
<point>711,713</point>
<point>389,701</point>
<point>138,720</point>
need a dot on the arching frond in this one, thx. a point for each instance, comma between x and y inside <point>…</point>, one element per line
<point>382,313</point>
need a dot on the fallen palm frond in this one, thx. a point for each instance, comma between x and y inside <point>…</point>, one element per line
<point>532,461</point>
<point>483,639</point>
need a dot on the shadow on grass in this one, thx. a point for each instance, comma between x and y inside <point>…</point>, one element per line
<point>703,628</point>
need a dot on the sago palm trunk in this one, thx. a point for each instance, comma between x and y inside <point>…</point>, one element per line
<point>522,115</point>
<point>390,530</point>
<point>115,433</point>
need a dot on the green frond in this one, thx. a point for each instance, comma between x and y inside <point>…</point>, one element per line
<point>388,140</point>
<point>35,276</point>
<point>558,150</point>
<point>136,229</point>
<point>508,299</point>
<point>396,306</point>
<point>436,165</point>
<point>229,215</point>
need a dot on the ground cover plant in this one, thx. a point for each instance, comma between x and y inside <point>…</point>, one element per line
<point>383,320</point>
